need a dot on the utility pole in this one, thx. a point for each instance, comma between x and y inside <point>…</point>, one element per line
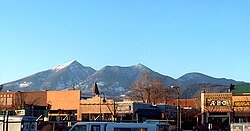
<point>178,109</point>
<point>104,100</point>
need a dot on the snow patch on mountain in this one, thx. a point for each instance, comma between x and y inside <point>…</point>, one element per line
<point>100,83</point>
<point>62,66</point>
<point>25,84</point>
<point>119,89</point>
<point>139,66</point>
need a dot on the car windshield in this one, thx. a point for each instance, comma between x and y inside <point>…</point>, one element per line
<point>79,128</point>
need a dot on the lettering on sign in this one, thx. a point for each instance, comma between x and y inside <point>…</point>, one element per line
<point>242,103</point>
<point>218,103</point>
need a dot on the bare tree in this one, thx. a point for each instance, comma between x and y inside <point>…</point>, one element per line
<point>20,100</point>
<point>147,89</point>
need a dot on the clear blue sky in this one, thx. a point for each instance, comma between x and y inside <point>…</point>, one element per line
<point>172,37</point>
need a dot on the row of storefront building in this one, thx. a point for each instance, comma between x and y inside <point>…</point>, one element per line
<point>71,105</point>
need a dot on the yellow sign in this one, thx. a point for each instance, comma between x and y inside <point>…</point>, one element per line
<point>241,103</point>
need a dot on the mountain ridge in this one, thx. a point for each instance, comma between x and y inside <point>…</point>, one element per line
<point>119,79</point>
<point>113,80</point>
<point>196,77</point>
<point>56,78</point>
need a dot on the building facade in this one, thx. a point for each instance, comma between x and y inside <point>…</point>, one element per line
<point>216,108</point>
<point>55,105</point>
<point>226,108</point>
<point>97,108</point>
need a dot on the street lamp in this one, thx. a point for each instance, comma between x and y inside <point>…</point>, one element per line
<point>178,113</point>
<point>104,100</point>
<point>114,113</point>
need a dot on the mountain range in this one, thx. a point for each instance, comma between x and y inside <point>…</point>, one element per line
<point>114,81</point>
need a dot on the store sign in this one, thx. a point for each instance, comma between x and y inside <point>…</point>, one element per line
<point>218,99</point>
<point>241,103</point>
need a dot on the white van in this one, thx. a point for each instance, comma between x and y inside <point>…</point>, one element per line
<point>89,126</point>
<point>17,123</point>
<point>109,126</point>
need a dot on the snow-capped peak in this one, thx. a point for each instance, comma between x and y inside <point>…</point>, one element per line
<point>62,66</point>
<point>140,66</point>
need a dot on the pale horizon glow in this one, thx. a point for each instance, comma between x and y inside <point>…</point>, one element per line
<point>170,37</point>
